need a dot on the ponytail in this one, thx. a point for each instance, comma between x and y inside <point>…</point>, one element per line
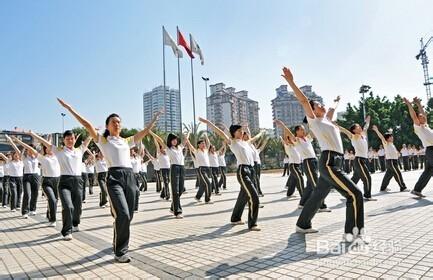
<point>106,133</point>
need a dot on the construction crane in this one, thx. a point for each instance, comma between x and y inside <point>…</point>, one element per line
<point>424,62</point>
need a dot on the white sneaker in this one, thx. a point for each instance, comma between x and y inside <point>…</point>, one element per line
<point>67,237</point>
<point>25,216</point>
<point>386,190</point>
<point>238,223</point>
<point>135,211</point>
<point>197,200</point>
<point>4,206</point>
<point>300,206</point>
<point>179,216</point>
<point>306,230</point>
<point>103,206</point>
<point>419,194</point>
<point>53,224</point>
<point>348,237</point>
<point>255,228</point>
<point>123,259</point>
<point>13,210</point>
<point>370,199</point>
<point>75,229</point>
<point>323,210</point>
<point>32,213</point>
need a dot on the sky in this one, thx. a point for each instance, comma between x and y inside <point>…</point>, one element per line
<point>101,55</point>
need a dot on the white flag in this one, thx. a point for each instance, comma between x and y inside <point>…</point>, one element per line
<point>195,48</point>
<point>168,41</point>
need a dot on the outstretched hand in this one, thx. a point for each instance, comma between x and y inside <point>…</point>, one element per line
<point>405,100</point>
<point>374,127</point>
<point>63,103</point>
<point>278,122</point>
<point>368,118</point>
<point>337,99</point>
<point>287,74</point>
<point>417,100</point>
<point>203,120</point>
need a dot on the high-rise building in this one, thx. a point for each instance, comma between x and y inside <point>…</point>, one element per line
<point>226,106</point>
<point>287,108</point>
<point>153,101</point>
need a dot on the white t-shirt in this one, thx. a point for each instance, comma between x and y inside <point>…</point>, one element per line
<point>286,160</point>
<point>360,143</point>
<point>381,152</point>
<point>327,134</point>
<point>2,171</point>
<point>213,160</point>
<point>90,168</point>
<point>6,168</point>
<point>50,165</point>
<point>101,166</point>
<point>31,165</point>
<point>164,160</point>
<point>256,153</point>
<point>202,158</point>
<point>293,154</point>
<point>222,160</point>
<point>404,152</point>
<point>16,168</point>
<point>425,134</point>
<point>390,151</point>
<point>144,167</point>
<point>305,148</point>
<point>242,151</point>
<point>116,150</point>
<point>70,160</point>
<point>155,163</point>
<point>136,164</point>
<point>176,155</point>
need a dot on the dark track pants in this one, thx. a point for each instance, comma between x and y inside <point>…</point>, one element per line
<point>428,170</point>
<point>310,169</point>
<point>360,171</point>
<point>121,188</point>
<point>85,178</point>
<point>331,176</point>
<point>102,182</point>
<point>286,169</point>
<point>247,194</point>
<point>165,174</point>
<point>295,180</point>
<point>144,179</point>
<point>406,164</point>
<point>223,179</point>
<point>6,191</point>
<point>71,194</point>
<point>258,173</point>
<point>177,187</point>
<point>137,191</point>
<point>158,179</point>
<point>382,163</point>
<point>50,189</point>
<point>392,170</point>
<point>214,177</point>
<point>31,183</point>
<point>15,186</point>
<point>204,174</point>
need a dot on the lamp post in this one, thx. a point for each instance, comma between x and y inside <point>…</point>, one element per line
<point>205,87</point>
<point>63,121</point>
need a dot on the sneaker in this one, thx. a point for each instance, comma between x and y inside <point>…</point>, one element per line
<point>300,206</point>
<point>122,259</point>
<point>84,201</point>
<point>404,190</point>
<point>370,199</point>
<point>217,194</point>
<point>348,237</point>
<point>103,206</point>
<point>386,190</point>
<point>261,206</point>
<point>324,210</point>
<point>18,208</point>
<point>261,195</point>
<point>32,213</point>
<point>179,216</point>
<point>53,224</point>
<point>67,237</point>
<point>306,230</point>
<point>197,199</point>
<point>238,223</point>
<point>4,206</point>
<point>135,211</point>
<point>255,228</point>
<point>75,229</point>
<point>419,194</point>
<point>13,210</point>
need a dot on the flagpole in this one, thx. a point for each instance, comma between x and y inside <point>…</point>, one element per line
<point>180,99</point>
<point>193,95</point>
<point>163,75</point>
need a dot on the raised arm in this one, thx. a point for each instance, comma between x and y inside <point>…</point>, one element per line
<point>27,147</point>
<point>40,139</point>
<point>5,158</point>
<point>375,129</point>
<point>417,101</point>
<point>286,130</point>
<point>216,129</point>
<point>141,134</point>
<point>366,124</point>
<point>87,125</point>
<point>12,144</point>
<point>149,155</point>
<point>207,141</point>
<point>412,112</point>
<point>263,145</point>
<point>222,150</point>
<point>255,138</point>
<point>298,93</point>
<point>189,145</point>
<point>157,141</point>
<point>345,131</point>
<point>331,110</point>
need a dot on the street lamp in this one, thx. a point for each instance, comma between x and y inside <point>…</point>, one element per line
<point>63,121</point>
<point>205,87</point>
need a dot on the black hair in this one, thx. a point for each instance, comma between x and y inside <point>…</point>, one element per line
<point>352,128</point>
<point>107,121</point>
<point>298,127</point>
<point>305,120</point>
<point>44,149</point>
<point>199,142</point>
<point>387,135</point>
<point>171,137</point>
<point>312,102</point>
<point>233,128</point>
<point>68,133</point>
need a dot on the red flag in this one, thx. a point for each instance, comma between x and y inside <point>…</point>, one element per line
<point>182,42</point>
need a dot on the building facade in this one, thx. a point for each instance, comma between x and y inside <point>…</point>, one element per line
<point>287,108</point>
<point>226,106</point>
<point>153,101</point>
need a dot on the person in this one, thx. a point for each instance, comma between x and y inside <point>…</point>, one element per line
<point>136,166</point>
<point>245,174</point>
<point>84,174</point>
<point>285,165</point>
<point>143,171</point>
<point>121,184</point>
<point>16,167</point>
<point>303,144</point>
<point>258,148</point>
<point>391,155</point>
<point>295,179</point>
<point>50,177</point>
<point>358,137</point>
<point>174,149</point>
<point>405,155</point>
<point>6,188</point>
<point>214,165</point>
<point>222,166</point>
<point>331,176</point>
<point>2,174</point>
<point>164,165</point>
<point>201,156</point>
<point>90,170</point>
<point>421,155</point>
<point>250,141</point>
<point>346,162</point>
<point>381,154</point>
<point>425,134</point>
<point>101,171</point>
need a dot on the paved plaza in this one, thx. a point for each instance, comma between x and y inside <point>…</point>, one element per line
<point>205,245</point>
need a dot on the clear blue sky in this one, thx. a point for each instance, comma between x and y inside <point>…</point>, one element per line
<point>100,56</point>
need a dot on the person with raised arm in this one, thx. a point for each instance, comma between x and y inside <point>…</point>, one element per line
<point>50,177</point>
<point>245,174</point>
<point>425,134</point>
<point>358,137</point>
<point>6,179</point>
<point>214,165</point>
<point>258,148</point>
<point>174,150</point>
<point>164,165</point>
<point>70,188</point>
<point>331,176</point>
<point>256,154</point>
<point>295,180</point>
<point>101,171</point>
<point>136,166</point>
<point>121,184</point>
<point>223,167</point>
<point>143,170</point>
<point>15,167</point>
<point>303,143</point>
<point>201,156</point>
<point>391,154</point>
